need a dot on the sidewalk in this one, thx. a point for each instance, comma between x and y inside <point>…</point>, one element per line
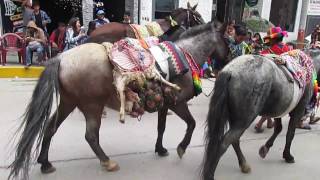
<point>15,70</point>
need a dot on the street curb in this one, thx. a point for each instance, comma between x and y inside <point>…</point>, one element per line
<point>20,72</point>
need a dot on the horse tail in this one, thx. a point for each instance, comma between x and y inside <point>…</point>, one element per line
<point>36,120</point>
<point>216,121</point>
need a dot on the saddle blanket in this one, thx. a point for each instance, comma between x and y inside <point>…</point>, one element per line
<point>298,64</point>
<point>128,55</point>
<point>148,30</point>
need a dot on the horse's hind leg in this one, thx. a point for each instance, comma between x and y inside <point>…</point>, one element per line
<point>92,113</point>
<point>162,118</point>
<point>290,135</point>
<point>183,112</point>
<point>277,129</point>
<point>244,166</point>
<point>60,115</point>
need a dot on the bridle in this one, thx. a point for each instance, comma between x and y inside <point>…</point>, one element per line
<point>190,13</point>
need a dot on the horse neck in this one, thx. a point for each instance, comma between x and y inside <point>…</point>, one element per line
<point>200,47</point>
<point>164,24</point>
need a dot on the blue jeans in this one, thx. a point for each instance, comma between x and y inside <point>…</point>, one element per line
<point>31,48</point>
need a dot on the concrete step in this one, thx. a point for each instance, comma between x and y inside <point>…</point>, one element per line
<point>19,71</point>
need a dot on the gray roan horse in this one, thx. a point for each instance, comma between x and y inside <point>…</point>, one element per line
<point>247,87</point>
<point>82,77</point>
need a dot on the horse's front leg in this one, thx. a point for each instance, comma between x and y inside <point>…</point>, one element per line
<point>120,83</point>
<point>183,112</point>
<point>162,119</point>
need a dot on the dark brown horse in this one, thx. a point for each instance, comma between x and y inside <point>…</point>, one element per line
<point>83,78</point>
<point>179,18</point>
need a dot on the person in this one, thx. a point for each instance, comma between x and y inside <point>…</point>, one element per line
<point>230,30</point>
<point>91,27</point>
<point>126,18</point>
<point>274,41</point>
<point>101,20</point>
<point>26,12</point>
<point>237,44</point>
<point>257,43</point>
<point>315,37</point>
<point>57,39</point>
<point>40,17</point>
<point>235,37</point>
<point>35,40</point>
<point>74,34</point>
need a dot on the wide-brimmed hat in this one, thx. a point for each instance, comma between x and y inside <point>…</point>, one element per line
<point>32,24</point>
<point>101,12</point>
<point>275,33</point>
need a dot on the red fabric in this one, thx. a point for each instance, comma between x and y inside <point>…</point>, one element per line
<point>276,49</point>
<point>58,40</point>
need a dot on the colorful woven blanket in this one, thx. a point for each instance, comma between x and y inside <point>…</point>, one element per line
<point>128,55</point>
<point>299,65</point>
<point>177,61</point>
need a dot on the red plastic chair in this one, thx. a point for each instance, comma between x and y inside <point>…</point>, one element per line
<point>11,42</point>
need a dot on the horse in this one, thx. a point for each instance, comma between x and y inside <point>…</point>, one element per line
<point>249,86</point>
<point>179,19</point>
<point>82,77</point>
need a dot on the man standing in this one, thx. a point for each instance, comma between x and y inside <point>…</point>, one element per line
<point>26,12</point>
<point>101,20</point>
<point>40,17</point>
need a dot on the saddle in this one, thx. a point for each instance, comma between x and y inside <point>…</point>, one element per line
<point>297,63</point>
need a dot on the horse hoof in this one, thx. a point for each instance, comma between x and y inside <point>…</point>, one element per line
<point>289,159</point>
<point>47,169</point>
<point>180,152</point>
<point>162,152</point>
<point>122,121</point>
<point>110,165</point>
<point>245,168</point>
<point>263,152</point>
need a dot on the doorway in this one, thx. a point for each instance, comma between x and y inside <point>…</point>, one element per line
<point>114,9</point>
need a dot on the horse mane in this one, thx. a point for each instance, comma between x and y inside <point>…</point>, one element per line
<point>196,30</point>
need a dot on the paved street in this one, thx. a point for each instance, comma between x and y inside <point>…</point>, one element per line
<point>132,146</point>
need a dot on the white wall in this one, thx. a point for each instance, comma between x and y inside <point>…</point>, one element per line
<point>146,14</point>
<point>1,27</point>
<point>204,7</point>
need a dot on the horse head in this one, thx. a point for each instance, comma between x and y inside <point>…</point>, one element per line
<point>185,18</point>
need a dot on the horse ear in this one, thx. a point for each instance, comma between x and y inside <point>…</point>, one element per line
<point>188,5</point>
<point>195,7</point>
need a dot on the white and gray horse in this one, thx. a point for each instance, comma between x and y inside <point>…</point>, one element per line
<point>247,87</point>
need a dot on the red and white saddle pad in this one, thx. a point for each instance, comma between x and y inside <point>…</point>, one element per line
<point>128,55</point>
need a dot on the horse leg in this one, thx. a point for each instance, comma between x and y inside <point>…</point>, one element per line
<point>56,120</point>
<point>244,166</point>
<point>277,129</point>
<point>290,135</point>
<point>162,119</point>
<point>232,136</point>
<point>183,112</point>
<point>92,113</point>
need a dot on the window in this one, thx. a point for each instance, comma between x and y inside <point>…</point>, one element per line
<point>283,13</point>
<point>164,7</point>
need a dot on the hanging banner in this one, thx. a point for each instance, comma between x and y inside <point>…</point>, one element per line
<point>314,7</point>
<point>11,13</point>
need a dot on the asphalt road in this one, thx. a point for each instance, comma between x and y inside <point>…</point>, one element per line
<point>132,146</point>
